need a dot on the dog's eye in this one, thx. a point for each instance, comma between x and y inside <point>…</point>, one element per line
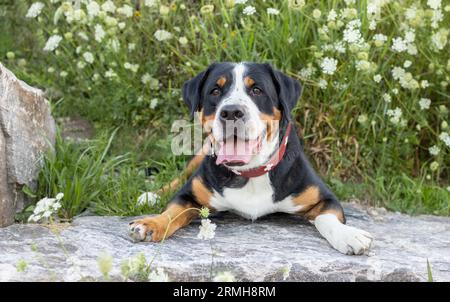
<point>215,92</point>
<point>256,91</point>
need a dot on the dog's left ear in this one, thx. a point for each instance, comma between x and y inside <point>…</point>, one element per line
<point>289,90</point>
<point>192,90</point>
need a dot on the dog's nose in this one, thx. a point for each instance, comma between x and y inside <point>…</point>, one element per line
<point>232,113</point>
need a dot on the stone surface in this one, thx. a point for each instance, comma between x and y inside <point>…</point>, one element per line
<point>27,129</point>
<point>255,251</point>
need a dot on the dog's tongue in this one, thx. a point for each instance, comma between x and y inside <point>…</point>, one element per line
<point>236,151</point>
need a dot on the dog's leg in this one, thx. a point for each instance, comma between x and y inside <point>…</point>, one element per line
<point>179,213</point>
<point>328,217</point>
<point>156,228</point>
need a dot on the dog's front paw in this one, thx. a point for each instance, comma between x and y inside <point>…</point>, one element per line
<point>147,229</point>
<point>346,239</point>
<point>351,241</point>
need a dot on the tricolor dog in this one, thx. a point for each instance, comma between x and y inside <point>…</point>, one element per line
<point>256,164</point>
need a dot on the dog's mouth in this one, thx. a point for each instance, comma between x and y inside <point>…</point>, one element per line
<point>235,151</point>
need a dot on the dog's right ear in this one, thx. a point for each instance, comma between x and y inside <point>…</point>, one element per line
<point>192,90</point>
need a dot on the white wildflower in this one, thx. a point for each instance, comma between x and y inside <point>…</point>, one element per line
<point>81,64</point>
<point>162,35</point>
<point>52,43</point>
<point>407,63</point>
<point>424,103</point>
<point>445,137</point>
<point>398,73</point>
<point>88,57</point>
<point>110,21</point>
<point>207,230</point>
<point>183,40</point>
<point>399,45</point>
<point>153,103</point>
<point>224,277</point>
<point>434,4</point>
<point>35,10</point>
<point>339,47</point>
<point>379,39</point>
<point>424,84</point>
<point>352,35</point>
<point>249,10</point>
<point>83,36</point>
<point>133,67</point>
<point>110,74</point>
<point>328,65</point>
<point>45,208</point>
<point>322,84</point>
<point>93,9</point>
<point>126,11</point>
<point>387,98</point>
<point>149,198</point>
<point>109,7</point>
<point>332,15</point>
<point>150,3</point>
<point>146,78</point>
<point>131,46</point>
<point>158,275</point>
<point>273,11</point>
<point>240,1</point>
<point>377,78</point>
<point>395,115</point>
<point>114,44</point>
<point>59,196</point>
<point>99,33</point>
<point>434,150</point>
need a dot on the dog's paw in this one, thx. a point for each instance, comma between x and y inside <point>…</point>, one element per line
<point>138,231</point>
<point>346,239</point>
<point>352,241</point>
<point>152,228</point>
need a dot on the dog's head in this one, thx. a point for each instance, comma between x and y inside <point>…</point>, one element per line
<point>242,106</point>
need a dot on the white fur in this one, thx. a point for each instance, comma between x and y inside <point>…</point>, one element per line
<point>346,239</point>
<point>253,200</point>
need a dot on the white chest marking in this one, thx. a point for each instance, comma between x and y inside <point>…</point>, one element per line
<point>253,200</point>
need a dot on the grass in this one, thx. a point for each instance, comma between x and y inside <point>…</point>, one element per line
<point>347,124</point>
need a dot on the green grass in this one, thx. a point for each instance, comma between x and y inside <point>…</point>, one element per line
<point>349,136</point>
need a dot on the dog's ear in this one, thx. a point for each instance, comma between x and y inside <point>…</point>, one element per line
<point>288,89</point>
<point>192,90</point>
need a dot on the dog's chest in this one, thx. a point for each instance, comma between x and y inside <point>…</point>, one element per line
<point>253,200</point>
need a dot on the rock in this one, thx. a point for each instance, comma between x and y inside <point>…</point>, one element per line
<point>27,129</point>
<point>264,250</point>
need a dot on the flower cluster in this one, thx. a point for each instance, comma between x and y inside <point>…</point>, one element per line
<point>46,208</point>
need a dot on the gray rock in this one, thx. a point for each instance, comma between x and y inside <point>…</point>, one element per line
<point>27,129</point>
<point>255,251</point>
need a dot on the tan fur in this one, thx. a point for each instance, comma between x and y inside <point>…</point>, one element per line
<point>201,192</point>
<point>272,122</point>
<point>248,82</point>
<point>221,81</point>
<point>308,198</point>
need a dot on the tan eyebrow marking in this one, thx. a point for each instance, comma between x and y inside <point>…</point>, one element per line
<point>221,81</point>
<point>248,81</point>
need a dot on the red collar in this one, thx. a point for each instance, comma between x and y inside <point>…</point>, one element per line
<point>273,161</point>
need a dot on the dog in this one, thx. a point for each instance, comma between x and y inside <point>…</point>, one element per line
<point>269,174</point>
